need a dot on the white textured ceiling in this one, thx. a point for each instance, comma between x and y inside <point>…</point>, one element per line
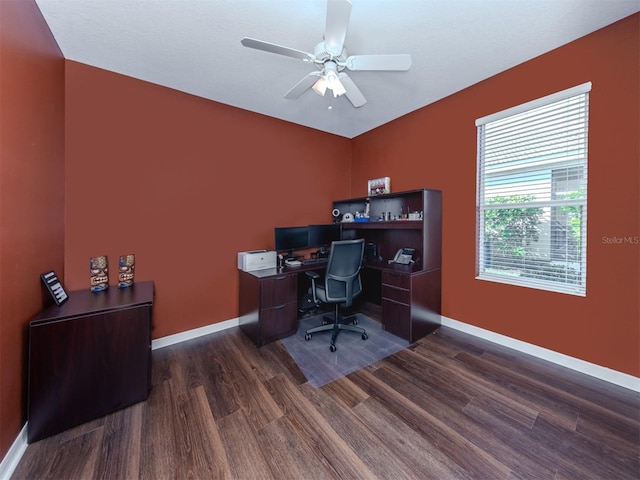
<point>194,46</point>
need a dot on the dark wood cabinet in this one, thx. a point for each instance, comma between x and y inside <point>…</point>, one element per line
<point>89,357</point>
<point>411,303</point>
<point>268,305</point>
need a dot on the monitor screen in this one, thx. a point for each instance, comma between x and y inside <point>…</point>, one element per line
<point>323,235</point>
<point>291,238</point>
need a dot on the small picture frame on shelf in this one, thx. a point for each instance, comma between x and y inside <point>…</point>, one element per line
<point>55,288</point>
<point>379,186</point>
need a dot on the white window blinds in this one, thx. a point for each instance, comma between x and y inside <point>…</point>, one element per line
<point>532,193</point>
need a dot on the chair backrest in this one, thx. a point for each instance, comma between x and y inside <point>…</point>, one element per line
<point>342,278</point>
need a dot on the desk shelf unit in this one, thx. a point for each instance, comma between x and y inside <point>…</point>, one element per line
<point>424,235</point>
<point>410,295</point>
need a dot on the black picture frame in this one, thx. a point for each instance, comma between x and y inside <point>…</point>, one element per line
<point>54,286</point>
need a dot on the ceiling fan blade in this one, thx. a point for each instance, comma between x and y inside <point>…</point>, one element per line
<point>353,93</point>
<point>338,13</point>
<point>304,84</point>
<point>400,62</point>
<point>279,49</point>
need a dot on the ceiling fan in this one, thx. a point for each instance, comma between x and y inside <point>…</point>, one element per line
<point>331,59</point>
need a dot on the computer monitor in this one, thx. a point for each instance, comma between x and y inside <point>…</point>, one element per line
<point>322,235</point>
<point>290,239</point>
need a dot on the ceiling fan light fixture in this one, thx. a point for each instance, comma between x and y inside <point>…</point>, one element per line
<point>330,73</point>
<point>320,87</point>
<point>329,80</point>
<point>331,77</point>
<point>338,88</point>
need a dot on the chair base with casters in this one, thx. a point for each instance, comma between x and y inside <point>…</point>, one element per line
<point>335,324</point>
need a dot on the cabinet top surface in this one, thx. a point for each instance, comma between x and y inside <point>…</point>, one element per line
<point>84,302</point>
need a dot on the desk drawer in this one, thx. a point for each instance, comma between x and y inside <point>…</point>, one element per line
<point>277,291</point>
<point>278,322</point>
<point>396,279</point>
<point>396,294</point>
<point>396,318</point>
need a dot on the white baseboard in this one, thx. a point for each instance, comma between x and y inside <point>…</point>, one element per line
<point>597,371</point>
<point>13,456</point>
<point>195,333</point>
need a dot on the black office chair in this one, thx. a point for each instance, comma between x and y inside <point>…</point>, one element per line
<point>341,284</point>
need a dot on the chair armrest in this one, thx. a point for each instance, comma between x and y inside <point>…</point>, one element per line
<point>313,276</point>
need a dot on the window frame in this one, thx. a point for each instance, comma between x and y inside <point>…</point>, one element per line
<point>536,276</point>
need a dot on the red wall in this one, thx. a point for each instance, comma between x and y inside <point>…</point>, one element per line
<point>31,191</point>
<point>435,147</point>
<point>185,184</point>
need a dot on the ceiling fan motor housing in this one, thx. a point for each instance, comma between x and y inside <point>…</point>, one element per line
<point>322,56</point>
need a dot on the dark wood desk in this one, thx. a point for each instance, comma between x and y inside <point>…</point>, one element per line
<point>409,295</point>
<point>89,357</point>
<point>410,300</point>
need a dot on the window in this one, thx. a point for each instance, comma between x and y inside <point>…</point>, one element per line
<point>532,193</point>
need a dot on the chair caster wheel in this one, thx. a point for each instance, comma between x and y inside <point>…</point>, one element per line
<point>307,336</point>
<point>332,347</point>
<point>365,336</point>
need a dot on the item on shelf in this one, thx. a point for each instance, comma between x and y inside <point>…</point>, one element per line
<point>50,280</point>
<point>256,260</point>
<point>371,252</point>
<point>361,217</point>
<point>379,186</point>
<point>126,266</point>
<point>99,270</point>
<point>335,213</point>
<point>347,217</point>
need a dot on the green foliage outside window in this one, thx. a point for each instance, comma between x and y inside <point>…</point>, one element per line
<point>510,231</point>
<point>574,214</point>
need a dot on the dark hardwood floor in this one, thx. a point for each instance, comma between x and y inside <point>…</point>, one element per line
<point>449,407</point>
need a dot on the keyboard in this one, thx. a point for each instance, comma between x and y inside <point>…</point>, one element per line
<point>315,261</point>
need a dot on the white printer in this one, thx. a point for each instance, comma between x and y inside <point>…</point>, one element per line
<point>256,260</point>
